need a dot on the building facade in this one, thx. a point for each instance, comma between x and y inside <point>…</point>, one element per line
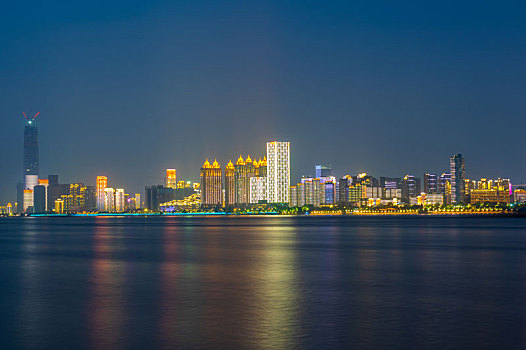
<point>278,172</point>
<point>458,175</point>
<point>211,184</point>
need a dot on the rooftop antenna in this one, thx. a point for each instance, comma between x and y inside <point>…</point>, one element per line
<point>30,119</point>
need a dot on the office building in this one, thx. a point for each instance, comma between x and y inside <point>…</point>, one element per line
<point>410,187</point>
<point>457,170</point>
<point>171,178</point>
<point>431,183</point>
<point>278,172</point>
<point>102,183</point>
<point>39,199</point>
<point>211,184</point>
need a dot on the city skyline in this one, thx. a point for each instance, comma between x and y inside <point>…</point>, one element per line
<point>28,185</point>
<point>132,88</point>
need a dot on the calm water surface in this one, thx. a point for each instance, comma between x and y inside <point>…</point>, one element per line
<point>262,282</point>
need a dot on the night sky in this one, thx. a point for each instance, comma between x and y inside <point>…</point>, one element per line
<point>129,88</point>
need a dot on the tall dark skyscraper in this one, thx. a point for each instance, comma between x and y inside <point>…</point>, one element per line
<point>458,176</point>
<point>31,153</point>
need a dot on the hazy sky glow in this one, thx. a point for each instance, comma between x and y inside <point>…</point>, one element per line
<point>130,88</point>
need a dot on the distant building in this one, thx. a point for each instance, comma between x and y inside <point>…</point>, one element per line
<point>344,184</point>
<point>457,169</point>
<point>323,171</point>
<point>59,206</point>
<point>278,172</point>
<point>390,182</point>
<point>119,200</point>
<point>230,185</point>
<point>519,196</point>
<point>431,183</point>
<point>109,199</point>
<point>293,196</point>
<point>102,183</point>
<point>171,178</point>
<point>410,187</point>
<point>258,189</point>
<point>39,198</point>
<point>211,184</point>
<point>137,201</point>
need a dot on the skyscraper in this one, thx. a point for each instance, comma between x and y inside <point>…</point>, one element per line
<point>278,172</point>
<point>119,200</point>
<point>458,175</point>
<point>211,183</point>
<point>431,183</point>
<point>31,153</point>
<point>230,185</point>
<point>410,187</point>
<point>171,179</point>
<point>102,183</point>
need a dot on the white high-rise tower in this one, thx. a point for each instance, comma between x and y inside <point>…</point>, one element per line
<point>278,172</point>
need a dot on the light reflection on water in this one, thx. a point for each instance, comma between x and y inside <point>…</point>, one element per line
<point>267,283</point>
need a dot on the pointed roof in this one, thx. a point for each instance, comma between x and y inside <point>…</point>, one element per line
<point>230,165</point>
<point>240,161</point>
<point>248,160</point>
<point>215,164</point>
<point>206,164</point>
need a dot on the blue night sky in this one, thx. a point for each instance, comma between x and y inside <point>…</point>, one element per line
<point>129,88</point>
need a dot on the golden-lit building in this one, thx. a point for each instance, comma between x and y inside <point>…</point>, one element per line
<point>491,191</point>
<point>489,196</point>
<point>230,185</point>
<point>241,185</point>
<point>519,195</point>
<point>171,178</point>
<point>59,206</point>
<point>102,183</point>
<point>211,184</point>
<point>262,167</point>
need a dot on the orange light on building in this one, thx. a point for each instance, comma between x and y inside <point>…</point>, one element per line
<point>171,177</point>
<point>102,183</point>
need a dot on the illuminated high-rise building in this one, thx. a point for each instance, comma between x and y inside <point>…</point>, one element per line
<point>241,184</point>
<point>171,179</point>
<point>431,183</point>
<point>137,201</point>
<point>109,199</point>
<point>211,184</point>
<point>230,185</point>
<point>28,200</point>
<point>31,151</point>
<point>258,189</point>
<point>102,183</point>
<point>278,172</point>
<point>119,200</point>
<point>59,206</point>
<point>458,175</point>
<point>262,167</point>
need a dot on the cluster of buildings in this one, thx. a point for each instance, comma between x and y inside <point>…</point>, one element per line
<point>38,195</point>
<point>249,182</point>
<point>450,187</point>
<point>243,183</point>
